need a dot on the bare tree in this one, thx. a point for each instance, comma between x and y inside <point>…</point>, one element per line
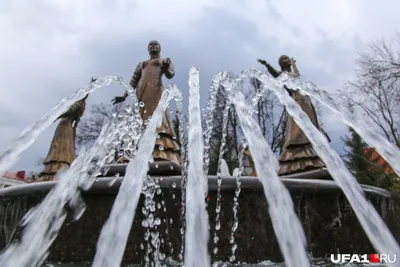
<point>374,91</point>
<point>271,118</point>
<point>90,127</point>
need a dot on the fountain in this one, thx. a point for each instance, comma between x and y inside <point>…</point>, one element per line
<point>160,206</point>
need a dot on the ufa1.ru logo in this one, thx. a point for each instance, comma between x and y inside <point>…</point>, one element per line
<point>364,258</point>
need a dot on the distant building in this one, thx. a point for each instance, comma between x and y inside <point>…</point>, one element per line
<point>11,179</point>
<point>374,157</point>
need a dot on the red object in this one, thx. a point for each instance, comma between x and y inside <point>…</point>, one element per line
<point>374,258</point>
<point>373,156</point>
<point>21,175</point>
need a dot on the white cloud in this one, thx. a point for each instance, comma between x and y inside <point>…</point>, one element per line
<point>50,48</point>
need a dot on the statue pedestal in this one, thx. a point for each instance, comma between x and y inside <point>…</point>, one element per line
<point>157,168</point>
<point>328,221</point>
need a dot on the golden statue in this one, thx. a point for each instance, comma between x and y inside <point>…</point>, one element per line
<point>297,154</point>
<point>147,80</point>
<point>62,149</point>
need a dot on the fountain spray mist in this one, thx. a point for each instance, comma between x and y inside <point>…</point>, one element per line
<point>211,106</point>
<point>225,116</point>
<point>196,254</point>
<point>286,224</point>
<point>372,223</point>
<point>114,235</point>
<point>182,139</point>
<point>31,134</point>
<point>387,150</point>
<point>42,223</point>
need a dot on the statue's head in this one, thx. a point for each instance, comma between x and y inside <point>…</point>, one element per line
<point>285,62</point>
<point>154,47</point>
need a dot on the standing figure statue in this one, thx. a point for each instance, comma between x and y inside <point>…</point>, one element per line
<point>297,154</point>
<point>62,149</point>
<point>147,80</point>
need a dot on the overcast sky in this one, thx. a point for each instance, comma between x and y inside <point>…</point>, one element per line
<point>49,49</point>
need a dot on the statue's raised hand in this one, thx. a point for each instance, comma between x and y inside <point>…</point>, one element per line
<point>262,61</point>
<point>166,62</point>
<point>118,99</point>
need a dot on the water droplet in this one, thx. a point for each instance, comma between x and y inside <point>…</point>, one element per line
<point>163,130</point>
<point>144,111</point>
<point>215,251</point>
<point>161,148</point>
<point>174,137</point>
<point>141,104</point>
<point>156,166</point>
<point>158,136</point>
<point>173,185</point>
<point>172,167</point>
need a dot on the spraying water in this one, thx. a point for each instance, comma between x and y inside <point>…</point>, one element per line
<point>235,207</point>
<point>182,139</point>
<point>286,225</point>
<point>114,235</point>
<point>375,228</point>
<point>196,254</point>
<point>386,149</point>
<point>42,224</point>
<point>225,115</point>
<point>211,106</point>
<point>30,134</point>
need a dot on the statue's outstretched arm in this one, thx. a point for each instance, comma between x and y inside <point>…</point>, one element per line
<point>168,68</point>
<point>134,82</point>
<point>270,69</point>
<point>294,66</point>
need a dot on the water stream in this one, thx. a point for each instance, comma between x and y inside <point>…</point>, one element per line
<point>196,239</point>
<point>114,234</point>
<point>31,133</point>
<point>225,115</point>
<point>377,231</point>
<point>42,223</point>
<point>182,139</point>
<point>371,136</point>
<point>286,224</point>
<point>235,207</point>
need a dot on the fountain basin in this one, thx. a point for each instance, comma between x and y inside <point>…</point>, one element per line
<point>328,221</point>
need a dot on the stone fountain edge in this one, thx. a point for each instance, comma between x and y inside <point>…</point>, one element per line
<point>303,182</point>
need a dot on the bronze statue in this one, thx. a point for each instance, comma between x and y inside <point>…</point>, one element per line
<point>297,154</point>
<point>247,153</point>
<point>147,80</point>
<point>62,149</point>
